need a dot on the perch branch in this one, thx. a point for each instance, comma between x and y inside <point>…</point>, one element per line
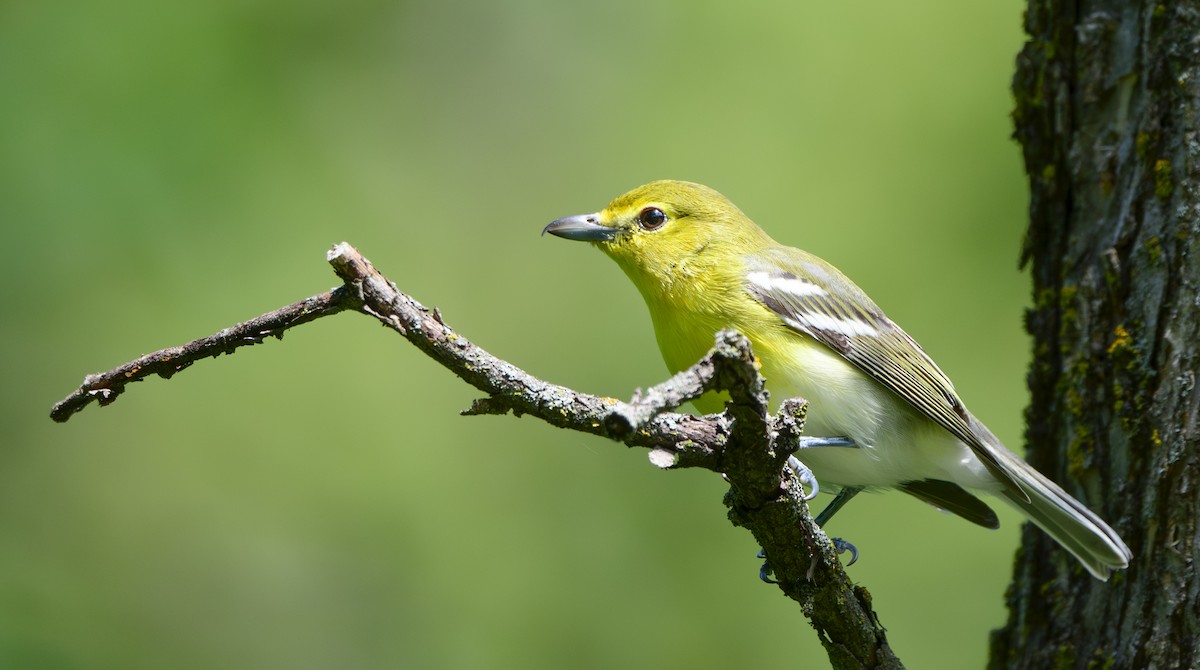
<point>745,443</point>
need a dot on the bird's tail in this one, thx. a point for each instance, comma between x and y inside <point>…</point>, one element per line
<point>1072,525</point>
<point>1075,527</point>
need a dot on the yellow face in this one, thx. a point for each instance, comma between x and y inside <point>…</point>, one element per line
<point>683,245</point>
<point>667,231</point>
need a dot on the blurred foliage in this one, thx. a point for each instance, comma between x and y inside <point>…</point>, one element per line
<point>167,169</point>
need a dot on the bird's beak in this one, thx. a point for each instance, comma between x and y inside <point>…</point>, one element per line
<point>583,228</point>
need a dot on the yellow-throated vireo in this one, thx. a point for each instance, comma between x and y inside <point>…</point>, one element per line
<point>703,266</point>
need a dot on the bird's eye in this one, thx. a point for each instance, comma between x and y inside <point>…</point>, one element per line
<point>651,218</point>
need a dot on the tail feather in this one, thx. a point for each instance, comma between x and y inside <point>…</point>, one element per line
<point>1072,525</point>
<point>1075,527</point>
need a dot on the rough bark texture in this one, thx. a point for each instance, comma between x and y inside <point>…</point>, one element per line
<point>1107,96</point>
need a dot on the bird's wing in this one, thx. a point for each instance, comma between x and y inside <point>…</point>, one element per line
<point>816,299</point>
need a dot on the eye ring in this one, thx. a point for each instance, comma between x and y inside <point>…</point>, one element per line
<point>651,218</point>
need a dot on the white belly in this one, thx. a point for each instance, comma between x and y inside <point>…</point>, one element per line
<point>896,443</point>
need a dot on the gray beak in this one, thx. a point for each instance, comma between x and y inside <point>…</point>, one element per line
<point>582,227</point>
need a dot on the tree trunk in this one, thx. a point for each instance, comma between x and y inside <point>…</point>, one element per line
<point>1107,98</point>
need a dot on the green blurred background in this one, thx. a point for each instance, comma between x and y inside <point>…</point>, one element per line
<point>167,169</point>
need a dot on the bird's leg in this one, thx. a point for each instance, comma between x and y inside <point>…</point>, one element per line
<point>806,442</point>
<point>806,476</point>
<point>826,514</point>
<point>803,473</point>
<point>836,504</point>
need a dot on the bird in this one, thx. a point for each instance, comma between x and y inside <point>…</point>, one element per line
<point>703,266</point>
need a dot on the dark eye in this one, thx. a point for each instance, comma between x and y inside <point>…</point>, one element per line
<point>651,218</point>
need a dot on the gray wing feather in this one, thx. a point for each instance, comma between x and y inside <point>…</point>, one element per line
<point>823,304</point>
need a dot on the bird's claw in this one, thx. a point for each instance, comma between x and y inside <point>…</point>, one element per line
<point>764,573</point>
<point>841,546</point>
<point>806,477</point>
<point>803,473</point>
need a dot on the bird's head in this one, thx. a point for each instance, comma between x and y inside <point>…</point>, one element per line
<point>666,230</point>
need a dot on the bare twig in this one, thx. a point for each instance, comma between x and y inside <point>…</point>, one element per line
<point>744,443</point>
<point>107,386</point>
